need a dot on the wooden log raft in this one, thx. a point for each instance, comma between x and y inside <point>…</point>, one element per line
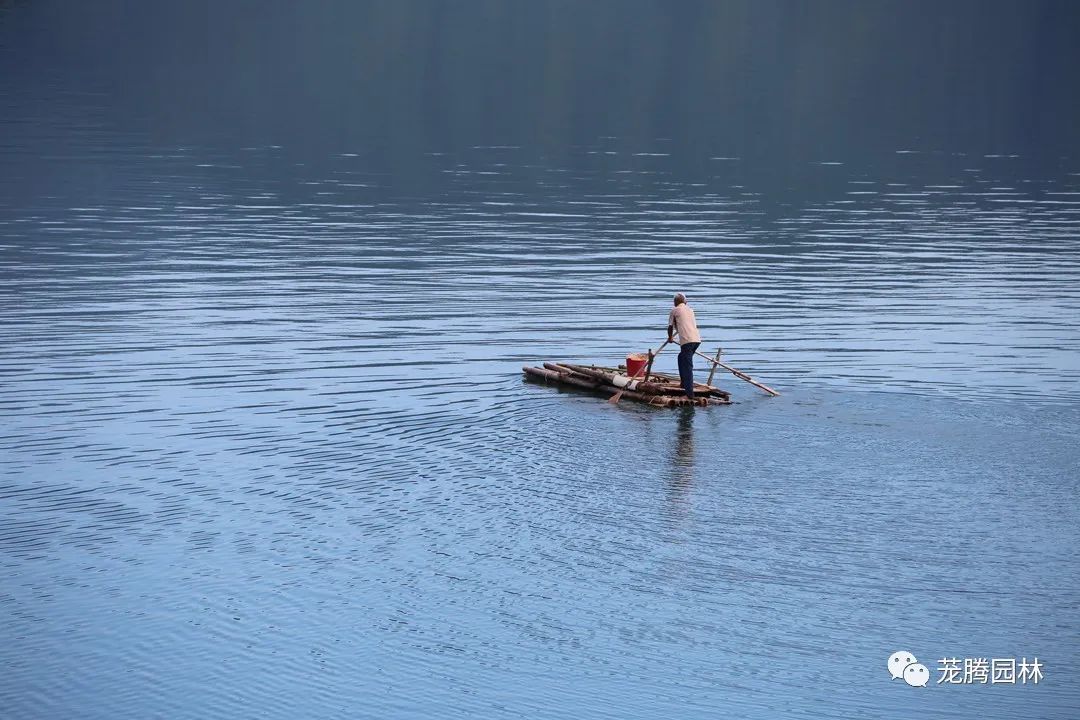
<point>660,391</point>
<point>672,385</point>
<point>660,384</point>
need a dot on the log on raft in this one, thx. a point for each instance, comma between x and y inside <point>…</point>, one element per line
<point>607,377</point>
<point>667,386</point>
<point>568,377</point>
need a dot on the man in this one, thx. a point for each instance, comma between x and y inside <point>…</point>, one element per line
<point>681,320</point>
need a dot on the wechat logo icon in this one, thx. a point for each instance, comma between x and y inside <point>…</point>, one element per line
<point>903,665</point>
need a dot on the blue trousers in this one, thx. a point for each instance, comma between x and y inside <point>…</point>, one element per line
<point>686,367</point>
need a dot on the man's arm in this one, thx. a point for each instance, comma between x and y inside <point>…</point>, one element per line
<point>671,333</point>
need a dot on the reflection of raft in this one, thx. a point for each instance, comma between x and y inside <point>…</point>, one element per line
<point>659,389</point>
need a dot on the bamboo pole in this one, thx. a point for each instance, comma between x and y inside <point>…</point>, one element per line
<point>739,374</point>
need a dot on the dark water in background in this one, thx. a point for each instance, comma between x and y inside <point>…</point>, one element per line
<point>266,450</point>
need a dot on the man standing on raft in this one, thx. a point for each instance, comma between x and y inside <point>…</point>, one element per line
<point>681,320</point>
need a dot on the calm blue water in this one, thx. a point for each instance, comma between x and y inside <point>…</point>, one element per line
<point>266,450</point>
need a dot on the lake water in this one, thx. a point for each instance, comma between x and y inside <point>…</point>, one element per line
<point>267,450</point>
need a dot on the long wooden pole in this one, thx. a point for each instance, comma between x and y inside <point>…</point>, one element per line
<point>739,374</point>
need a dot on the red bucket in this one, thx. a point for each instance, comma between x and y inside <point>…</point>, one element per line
<point>635,364</point>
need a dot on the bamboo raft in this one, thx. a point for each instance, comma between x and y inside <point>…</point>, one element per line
<point>658,389</point>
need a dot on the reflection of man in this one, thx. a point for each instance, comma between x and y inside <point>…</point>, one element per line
<point>681,320</point>
<point>682,465</point>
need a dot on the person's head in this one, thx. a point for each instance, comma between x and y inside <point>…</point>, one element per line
<point>679,298</point>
